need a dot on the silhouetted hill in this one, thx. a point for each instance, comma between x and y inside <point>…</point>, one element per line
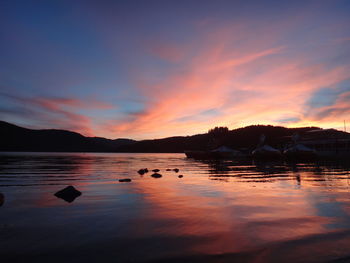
<point>14,138</point>
<point>242,138</point>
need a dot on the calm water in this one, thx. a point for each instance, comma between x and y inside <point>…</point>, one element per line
<point>218,212</point>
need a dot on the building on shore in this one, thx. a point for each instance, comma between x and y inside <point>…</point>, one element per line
<point>327,142</point>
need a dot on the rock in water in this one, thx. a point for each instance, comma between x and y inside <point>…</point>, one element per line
<point>156,175</point>
<point>68,194</point>
<point>125,180</point>
<point>180,176</point>
<point>142,171</point>
<point>156,170</point>
<point>2,199</point>
<point>176,170</point>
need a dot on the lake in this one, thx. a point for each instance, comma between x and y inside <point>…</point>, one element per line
<point>223,211</point>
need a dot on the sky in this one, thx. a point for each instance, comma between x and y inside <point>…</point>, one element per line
<point>154,69</point>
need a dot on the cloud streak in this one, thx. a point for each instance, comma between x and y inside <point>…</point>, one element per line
<point>248,85</point>
<point>54,112</point>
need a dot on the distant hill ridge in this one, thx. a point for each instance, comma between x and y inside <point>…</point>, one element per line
<point>15,138</point>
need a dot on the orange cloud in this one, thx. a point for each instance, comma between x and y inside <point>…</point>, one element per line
<point>245,85</point>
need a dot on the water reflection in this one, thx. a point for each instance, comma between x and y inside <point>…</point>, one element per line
<point>255,212</point>
<point>267,171</point>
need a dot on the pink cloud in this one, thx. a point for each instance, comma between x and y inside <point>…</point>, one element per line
<point>244,70</point>
<point>54,114</point>
<point>59,112</point>
<point>57,102</point>
<point>339,111</point>
<point>250,87</point>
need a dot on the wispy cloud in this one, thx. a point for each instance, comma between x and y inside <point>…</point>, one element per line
<point>53,112</point>
<point>247,83</point>
<point>338,110</point>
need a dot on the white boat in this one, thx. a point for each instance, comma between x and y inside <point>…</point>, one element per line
<point>300,151</point>
<point>264,151</point>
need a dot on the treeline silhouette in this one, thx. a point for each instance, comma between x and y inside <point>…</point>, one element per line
<point>14,138</point>
<point>245,138</point>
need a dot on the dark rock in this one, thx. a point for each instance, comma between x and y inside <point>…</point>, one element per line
<point>176,170</point>
<point>125,180</point>
<point>141,171</point>
<point>2,199</point>
<point>156,175</point>
<point>180,176</point>
<point>68,194</point>
<point>168,169</point>
<point>156,170</point>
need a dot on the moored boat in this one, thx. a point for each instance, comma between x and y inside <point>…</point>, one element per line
<point>300,151</point>
<point>226,152</point>
<point>266,152</point>
<point>222,152</point>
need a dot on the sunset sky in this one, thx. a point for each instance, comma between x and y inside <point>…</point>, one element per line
<point>152,69</point>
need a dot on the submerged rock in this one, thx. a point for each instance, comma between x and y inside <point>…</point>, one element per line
<point>156,170</point>
<point>180,176</point>
<point>125,180</point>
<point>2,199</point>
<point>156,175</point>
<point>176,170</point>
<point>68,194</point>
